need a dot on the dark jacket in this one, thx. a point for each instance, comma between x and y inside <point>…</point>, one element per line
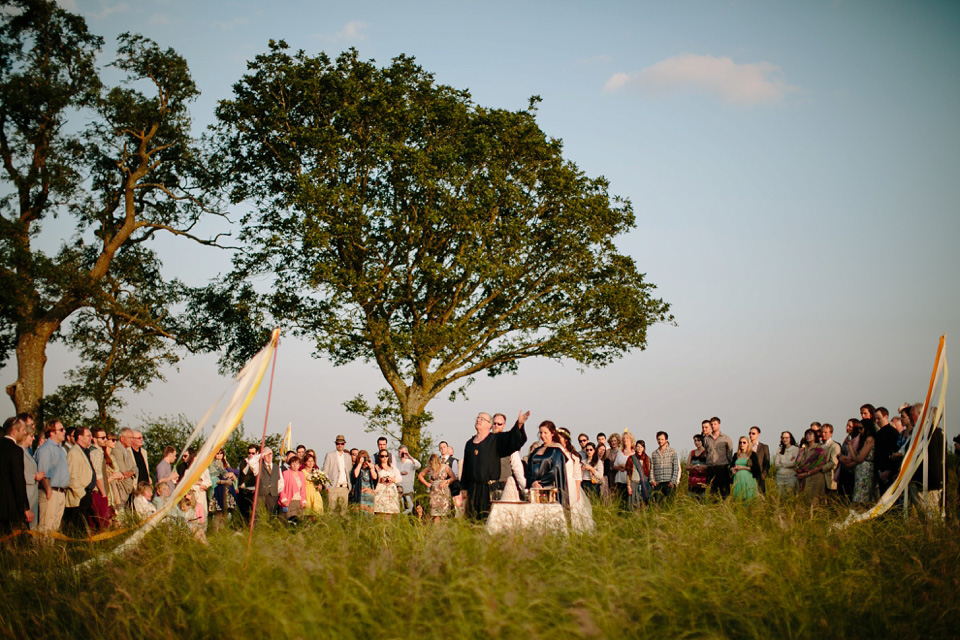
<point>13,484</point>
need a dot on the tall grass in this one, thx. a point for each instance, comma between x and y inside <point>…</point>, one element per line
<point>771,569</point>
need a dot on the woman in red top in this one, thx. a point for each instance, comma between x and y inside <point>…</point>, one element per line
<point>697,468</point>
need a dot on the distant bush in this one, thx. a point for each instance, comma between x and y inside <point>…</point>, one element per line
<point>174,430</point>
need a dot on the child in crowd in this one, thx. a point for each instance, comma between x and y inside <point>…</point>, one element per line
<point>161,493</point>
<point>188,510</point>
<point>142,504</point>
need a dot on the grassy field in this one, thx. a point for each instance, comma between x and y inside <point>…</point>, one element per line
<point>767,570</point>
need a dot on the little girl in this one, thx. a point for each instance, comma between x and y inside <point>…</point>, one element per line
<point>142,504</point>
<point>188,509</point>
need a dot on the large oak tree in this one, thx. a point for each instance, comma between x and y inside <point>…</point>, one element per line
<point>131,171</point>
<point>394,220</point>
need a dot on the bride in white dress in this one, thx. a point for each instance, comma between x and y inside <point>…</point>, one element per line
<point>581,511</point>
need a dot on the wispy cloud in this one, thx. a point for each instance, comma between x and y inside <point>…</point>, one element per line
<point>159,18</point>
<point>232,23</point>
<point>69,5</point>
<point>106,9</point>
<point>740,84</point>
<point>351,32</point>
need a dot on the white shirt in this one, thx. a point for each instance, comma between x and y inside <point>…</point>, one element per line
<point>341,468</point>
<point>407,467</point>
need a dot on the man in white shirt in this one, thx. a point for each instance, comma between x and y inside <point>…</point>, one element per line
<point>408,466</point>
<point>338,468</point>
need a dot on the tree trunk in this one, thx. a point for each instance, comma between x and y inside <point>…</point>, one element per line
<point>412,408</point>
<point>27,391</point>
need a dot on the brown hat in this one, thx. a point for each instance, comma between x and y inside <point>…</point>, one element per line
<point>340,440</point>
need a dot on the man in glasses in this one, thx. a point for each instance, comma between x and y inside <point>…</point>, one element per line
<point>583,439</point>
<point>337,465</point>
<point>83,480</point>
<point>52,461</point>
<point>247,483</point>
<point>127,465</point>
<point>763,456</point>
<point>481,461</point>
<point>499,422</point>
<point>140,457</point>
<point>512,479</point>
<point>96,459</point>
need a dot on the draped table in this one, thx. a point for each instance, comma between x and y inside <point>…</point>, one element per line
<point>505,516</point>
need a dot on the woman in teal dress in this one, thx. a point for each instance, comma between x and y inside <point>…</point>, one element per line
<point>364,486</point>
<point>746,470</point>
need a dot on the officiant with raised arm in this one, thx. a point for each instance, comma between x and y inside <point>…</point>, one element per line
<point>481,461</point>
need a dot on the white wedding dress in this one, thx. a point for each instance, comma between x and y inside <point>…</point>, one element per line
<point>581,511</point>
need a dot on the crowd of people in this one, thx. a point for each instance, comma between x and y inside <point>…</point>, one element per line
<point>79,480</point>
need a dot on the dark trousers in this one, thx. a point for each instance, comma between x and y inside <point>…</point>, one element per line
<point>75,518</point>
<point>845,483</point>
<point>269,502</point>
<point>590,488</point>
<point>244,502</point>
<point>718,477</point>
<point>661,492</point>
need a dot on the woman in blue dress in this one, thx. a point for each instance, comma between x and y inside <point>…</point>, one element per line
<point>547,463</point>
<point>364,486</point>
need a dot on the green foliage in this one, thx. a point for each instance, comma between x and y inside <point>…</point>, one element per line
<point>124,341</point>
<point>774,569</point>
<point>170,430</point>
<point>47,68</point>
<point>398,222</point>
<point>119,162</point>
<point>386,418</point>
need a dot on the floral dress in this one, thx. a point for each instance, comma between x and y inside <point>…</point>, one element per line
<point>439,494</point>
<point>387,498</point>
<point>864,487</point>
<point>365,503</point>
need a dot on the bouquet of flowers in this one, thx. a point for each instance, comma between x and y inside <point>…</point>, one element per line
<point>318,478</point>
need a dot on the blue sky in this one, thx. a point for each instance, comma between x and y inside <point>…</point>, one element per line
<point>793,168</point>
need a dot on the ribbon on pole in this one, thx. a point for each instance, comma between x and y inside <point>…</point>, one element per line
<point>288,439</point>
<point>245,386</point>
<point>931,418</point>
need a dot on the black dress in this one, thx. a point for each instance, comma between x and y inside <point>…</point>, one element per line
<point>481,467</point>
